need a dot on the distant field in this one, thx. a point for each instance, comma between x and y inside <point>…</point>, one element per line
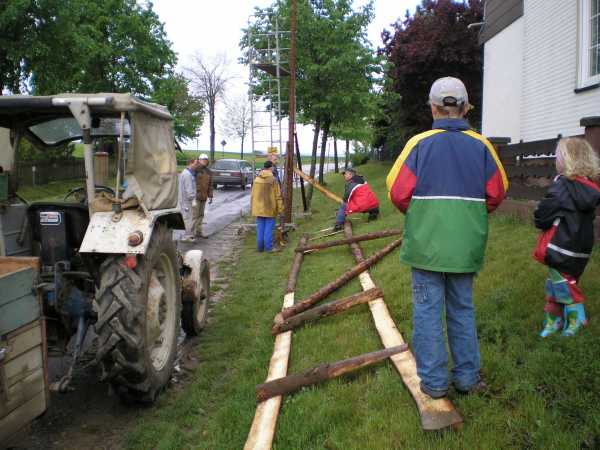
<point>190,154</point>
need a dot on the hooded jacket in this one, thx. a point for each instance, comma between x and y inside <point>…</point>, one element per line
<point>266,196</point>
<point>446,181</point>
<point>359,196</point>
<point>566,214</point>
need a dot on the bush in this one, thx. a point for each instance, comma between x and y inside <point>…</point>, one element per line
<point>360,156</point>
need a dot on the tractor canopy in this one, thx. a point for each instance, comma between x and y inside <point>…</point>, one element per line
<point>151,167</point>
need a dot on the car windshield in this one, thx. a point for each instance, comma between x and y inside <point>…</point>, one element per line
<point>226,165</point>
<point>67,129</point>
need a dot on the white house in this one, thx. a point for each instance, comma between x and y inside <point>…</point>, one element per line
<point>541,67</point>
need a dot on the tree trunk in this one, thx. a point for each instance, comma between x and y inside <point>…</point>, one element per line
<point>313,159</point>
<point>339,282</point>
<point>242,150</point>
<point>328,309</point>
<point>363,237</point>
<point>324,372</point>
<point>299,161</point>
<point>335,156</point>
<point>211,119</point>
<point>347,153</point>
<point>323,148</point>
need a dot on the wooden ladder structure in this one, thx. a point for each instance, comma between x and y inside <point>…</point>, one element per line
<point>436,414</point>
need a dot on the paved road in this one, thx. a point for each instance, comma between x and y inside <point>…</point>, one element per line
<point>229,204</point>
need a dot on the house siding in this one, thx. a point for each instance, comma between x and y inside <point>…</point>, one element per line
<point>499,14</point>
<point>549,104</point>
<point>502,75</point>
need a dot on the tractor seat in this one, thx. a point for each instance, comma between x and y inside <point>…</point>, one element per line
<point>59,227</point>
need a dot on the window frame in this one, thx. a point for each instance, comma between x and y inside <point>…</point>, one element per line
<point>585,80</point>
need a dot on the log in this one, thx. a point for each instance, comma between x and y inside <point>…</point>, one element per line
<point>363,237</point>
<point>330,195</point>
<point>435,414</point>
<point>299,159</point>
<point>295,269</point>
<point>263,426</point>
<point>329,309</point>
<point>324,372</point>
<point>339,282</point>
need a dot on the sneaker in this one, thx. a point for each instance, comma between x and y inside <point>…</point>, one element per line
<point>433,393</point>
<point>338,227</point>
<point>479,387</point>
<point>188,239</point>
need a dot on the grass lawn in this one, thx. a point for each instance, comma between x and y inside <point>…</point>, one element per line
<point>54,191</point>
<point>543,393</point>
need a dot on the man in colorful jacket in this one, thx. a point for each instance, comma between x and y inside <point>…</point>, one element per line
<point>446,181</point>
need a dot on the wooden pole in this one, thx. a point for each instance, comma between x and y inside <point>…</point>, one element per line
<point>435,414</point>
<point>262,431</point>
<point>363,237</point>
<point>339,282</point>
<point>330,195</point>
<point>299,158</point>
<point>324,372</point>
<point>328,309</point>
<point>289,160</point>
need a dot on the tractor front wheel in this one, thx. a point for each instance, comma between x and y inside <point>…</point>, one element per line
<point>138,319</point>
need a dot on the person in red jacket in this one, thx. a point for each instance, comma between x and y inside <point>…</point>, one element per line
<point>566,216</point>
<point>358,198</point>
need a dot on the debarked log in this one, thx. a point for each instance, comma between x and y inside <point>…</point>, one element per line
<point>363,237</point>
<point>322,373</point>
<point>339,282</point>
<point>330,195</point>
<point>329,309</point>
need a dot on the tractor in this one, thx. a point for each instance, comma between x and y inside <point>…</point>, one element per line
<point>107,255</point>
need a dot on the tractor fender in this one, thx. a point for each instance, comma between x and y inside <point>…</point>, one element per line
<point>191,275</point>
<point>109,232</point>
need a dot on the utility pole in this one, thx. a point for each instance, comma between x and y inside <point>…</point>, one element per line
<point>289,160</point>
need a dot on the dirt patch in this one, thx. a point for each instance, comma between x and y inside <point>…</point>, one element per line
<point>91,416</point>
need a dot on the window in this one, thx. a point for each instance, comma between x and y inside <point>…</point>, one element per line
<point>589,48</point>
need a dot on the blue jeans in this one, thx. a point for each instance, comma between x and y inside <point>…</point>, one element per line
<point>431,292</point>
<point>264,233</point>
<point>340,216</point>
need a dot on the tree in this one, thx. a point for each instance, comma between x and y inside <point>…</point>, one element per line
<point>433,43</point>
<point>187,109</point>
<point>237,121</point>
<point>82,46</point>
<point>335,63</point>
<point>209,78</point>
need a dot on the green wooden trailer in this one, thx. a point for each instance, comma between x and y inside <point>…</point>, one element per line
<point>23,365</point>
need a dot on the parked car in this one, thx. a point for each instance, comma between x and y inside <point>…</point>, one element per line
<point>232,172</point>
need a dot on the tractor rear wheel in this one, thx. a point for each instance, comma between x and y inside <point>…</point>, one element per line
<point>138,319</point>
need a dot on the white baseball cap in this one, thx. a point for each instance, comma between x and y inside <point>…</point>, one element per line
<point>448,91</point>
<point>203,156</point>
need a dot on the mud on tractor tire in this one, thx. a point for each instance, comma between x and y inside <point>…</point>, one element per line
<point>138,319</point>
<point>195,298</point>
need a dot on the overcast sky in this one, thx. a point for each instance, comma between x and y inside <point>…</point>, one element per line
<point>214,26</point>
